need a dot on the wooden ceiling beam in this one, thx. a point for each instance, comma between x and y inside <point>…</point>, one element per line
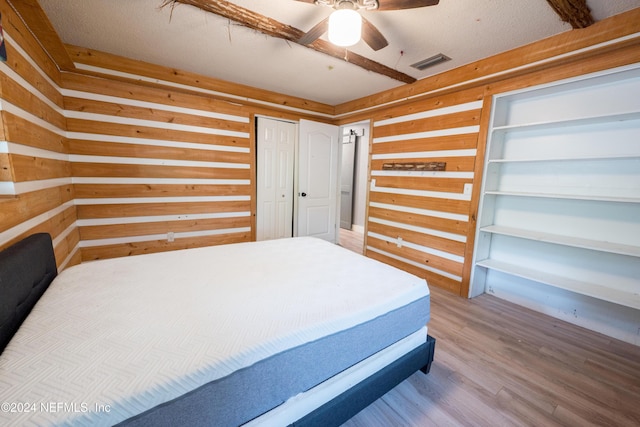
<point>271,27</point>
<point>575,12</point>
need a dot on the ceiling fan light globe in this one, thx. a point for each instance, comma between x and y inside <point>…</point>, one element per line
<point>345,27</point>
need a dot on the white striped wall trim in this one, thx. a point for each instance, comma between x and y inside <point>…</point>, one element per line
<point>197,181</point>
<point>466,195</point>
<point>154,142</point>
<point>145,104</point>
<point>159,218</point>
<point>164,236</point>
<point>474,105</point>
<point>469,152</point>
<point>428,134</point>
<point>138,200</point>
<point>425,249</point>
<point>431,174</point>
<point>423,230</point>
<point>418,211</point>
<point>415,264</point>
<point>79,158</point>
<point>110,72</point>
<point>23,227</point>
<point>105,118</point>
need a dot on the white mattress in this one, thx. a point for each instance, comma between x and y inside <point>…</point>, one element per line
<point>114,338</point>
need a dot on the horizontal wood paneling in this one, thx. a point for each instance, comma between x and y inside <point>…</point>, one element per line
<point>417,256</point>
<point>161,227</point>
<point>158,190</point>
<point>417,237</point>
<point>28,101</point>
<point>153,246</point>
<point>451,185</point>
<point>135,131</point>
<point>145,171</point>
<point>442,224</point>
<point>68,247</point>
<point>421,202</point>
<point>153,114</point>
<point>33,127</point>
<point>419,220</point>
<point>116,210</point>
<point>58,223</point>
<point>6,172</point>
<point>35,168</point>
<point>57,226</point>
<point>43,30</point>
<point>448,121</point>
<point>29,205</point>
<point>130,150</point>
<point>14,26</point>
<point>113,149</point>
<point>245,93</point>
<point>145,157</point>
<point>450,142</point>
<point>22,131</point>
<point>139,93</point>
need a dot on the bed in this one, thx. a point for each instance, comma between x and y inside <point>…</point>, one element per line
<point>282,332</point>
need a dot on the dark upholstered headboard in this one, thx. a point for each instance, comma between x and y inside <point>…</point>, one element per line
<point>26,270</point>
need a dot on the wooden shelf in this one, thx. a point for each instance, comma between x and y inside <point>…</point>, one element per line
<point>575,242</point>
<point>563,159</point>
<point>559,124</point>
<point>565,196</point>
<point>628,299</point>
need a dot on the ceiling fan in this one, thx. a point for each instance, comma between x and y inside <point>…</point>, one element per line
<point>347,23</point>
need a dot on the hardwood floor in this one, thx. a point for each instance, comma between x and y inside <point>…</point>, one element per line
<point>499,364</point>
<point>351,240</point>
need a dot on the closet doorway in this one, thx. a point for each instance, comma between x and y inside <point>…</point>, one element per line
<point>297,179</point>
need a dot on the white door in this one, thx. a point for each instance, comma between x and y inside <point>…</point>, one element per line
<point>318,180</point>
<point>275,160</point>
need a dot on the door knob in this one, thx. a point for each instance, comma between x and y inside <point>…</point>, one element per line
<point>303,194</point>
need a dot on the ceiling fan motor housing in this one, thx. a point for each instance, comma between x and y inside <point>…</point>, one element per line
<point>353,4</point>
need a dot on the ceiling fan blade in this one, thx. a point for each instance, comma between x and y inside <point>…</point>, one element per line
<point>405,4</point>
<point>314,33</point>
<point>372,36</point>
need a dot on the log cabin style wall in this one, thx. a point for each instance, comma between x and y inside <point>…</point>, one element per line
<point>156,169</point>
<point>419,220</point>
<point>163,159</point>
<point>425,222</point>
<point>36,191</point>
<point>125,159</point>
<point>146,154</point>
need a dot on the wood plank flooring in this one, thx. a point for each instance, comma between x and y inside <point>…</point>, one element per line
<point>351,240</point>
<point>499,364</point>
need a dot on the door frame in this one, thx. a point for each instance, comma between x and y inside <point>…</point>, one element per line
<point>361,175</point>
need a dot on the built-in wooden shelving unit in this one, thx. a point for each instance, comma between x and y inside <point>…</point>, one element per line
<point>560,204</point>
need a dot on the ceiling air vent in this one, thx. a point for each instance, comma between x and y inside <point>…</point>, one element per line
<point>430,62</point>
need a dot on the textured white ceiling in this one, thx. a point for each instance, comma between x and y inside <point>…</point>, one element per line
<point>193,40</point>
